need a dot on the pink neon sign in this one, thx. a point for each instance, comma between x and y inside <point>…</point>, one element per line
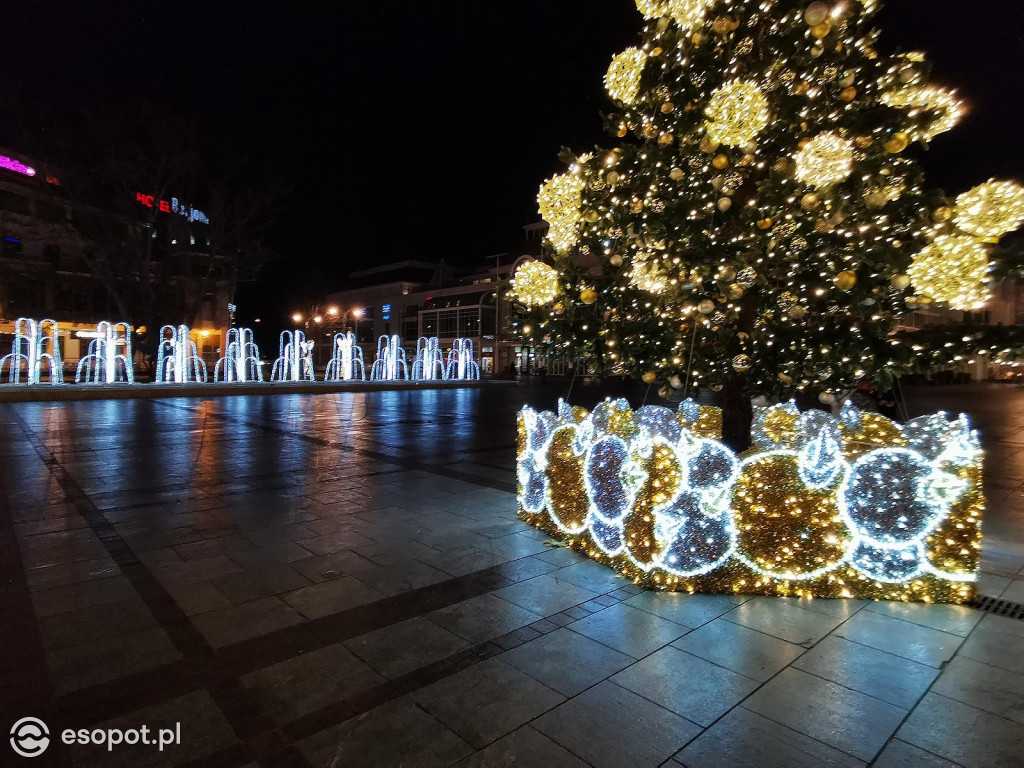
<point>10,164</point>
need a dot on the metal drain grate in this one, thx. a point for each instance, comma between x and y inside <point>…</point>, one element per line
<point>998,607</point>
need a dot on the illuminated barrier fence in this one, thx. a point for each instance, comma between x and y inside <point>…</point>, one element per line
<point>295,358</point>
<point>429,363</point>
<point>35,343</point>
<point>347,363</point>
<point>177,357</point>
<point>856,506</point>
<point>109,359</point>
<point>241,361</point>
<point>390,364</point>
<point>462,364</point>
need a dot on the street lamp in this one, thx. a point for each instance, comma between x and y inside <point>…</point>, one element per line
<point>297,318</point>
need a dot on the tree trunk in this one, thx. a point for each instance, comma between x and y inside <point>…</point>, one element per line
<point>737,414</point>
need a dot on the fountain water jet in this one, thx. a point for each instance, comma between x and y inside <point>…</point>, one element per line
<point>390,364</point>
<point>347,363</point>
<point>177,357</point>
<point>241,361</point>
<point>462,364</point>
<point>103,364</point>
<point>295,361</point>
<point>33,337</point>
<point>429,363</point>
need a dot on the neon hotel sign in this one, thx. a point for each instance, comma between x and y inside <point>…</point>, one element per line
<point>172,206</point>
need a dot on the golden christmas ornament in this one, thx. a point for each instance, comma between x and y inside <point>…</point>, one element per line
<point>900,282</point>
<point>737,112</point>
<point>591,216</point>
<point>588,296</point>
<point>535,284</point>
<point>810,201</point>
<point>942,214</point>
<point>742,363</point>
<point>820,31</point>
<point>559,200</point>
<point>616,260</point>
<point>897,143</point>
<point>624,75</point>
<point>847,280</point>
<point>650,377</point>
<point>764,224</point>
<point>825,160</point>
<point>721,162</point>
<point>676,174</point>
<point>848,94</point>
<point>954,270</point>
<point>863,142</point>
<point>706,307</point>
<point>817,13</point>
<point>724,204</point>
<point>723,25</point>
<point>991,210</point>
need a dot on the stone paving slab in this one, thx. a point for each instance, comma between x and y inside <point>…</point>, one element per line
<point>298,586</point>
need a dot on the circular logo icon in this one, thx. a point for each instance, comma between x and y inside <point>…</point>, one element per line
<point>30,737</point>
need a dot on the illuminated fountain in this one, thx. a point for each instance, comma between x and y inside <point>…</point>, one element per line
<point>462,364</point>
<point>241,361</point>
<point>109,359</point>
<point>31,341</point>
<point>295,362</point>
<point>390,364</point>
<point>177,358</point>
<point>429,362</point>
<point>347,363</point>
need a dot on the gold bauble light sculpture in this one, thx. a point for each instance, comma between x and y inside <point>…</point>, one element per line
<point>535,284</point>
<point>947,108</point>
<point>991,210</point>
<point>825,160</point>
<point>954,270</point>
<point>737,112</point>
<point>686,13</point>
<point>560,200</point>
<point>624,74</point>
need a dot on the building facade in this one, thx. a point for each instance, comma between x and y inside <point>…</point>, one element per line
<point>48,260</point>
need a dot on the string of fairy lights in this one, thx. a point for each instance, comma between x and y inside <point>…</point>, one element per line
<point>764,193</point>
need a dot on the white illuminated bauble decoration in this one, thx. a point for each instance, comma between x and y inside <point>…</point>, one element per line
<point>991,210</point>
<point>954,270</point>
<point>624,74</point>
<point>737,112</point>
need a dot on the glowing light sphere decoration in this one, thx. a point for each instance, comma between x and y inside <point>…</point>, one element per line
<point>954,270</point>
<point>850,507</point>
<point>827,159</point>
<point>991,210</point>
<point>535,284</point>
<point>624,75</point>
<point>35,343</point>
<point>429,363</point>
<point>462,364</point>
<point>177,357</point>
<point>295,358</point>
<point>686,13</point>
<point>347,362</point>
<point>241,361</point>
<point>109,356</point>
<point>391,364</point>
<point>737,112</point>
<point>559,201</point>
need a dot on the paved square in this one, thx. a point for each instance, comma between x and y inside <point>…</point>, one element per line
<point>329,580</point>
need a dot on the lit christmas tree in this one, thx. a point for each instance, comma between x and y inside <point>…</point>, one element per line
<point>762,226</point>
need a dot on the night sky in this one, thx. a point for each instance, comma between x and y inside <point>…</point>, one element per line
<point>423,130</point>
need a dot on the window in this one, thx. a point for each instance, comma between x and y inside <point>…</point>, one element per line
<point>50,211</point>
<point>11,248</point>
<point>13,202</point>
<point>469,322</point>
<point>429,324</point>
<point>448,324</point>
